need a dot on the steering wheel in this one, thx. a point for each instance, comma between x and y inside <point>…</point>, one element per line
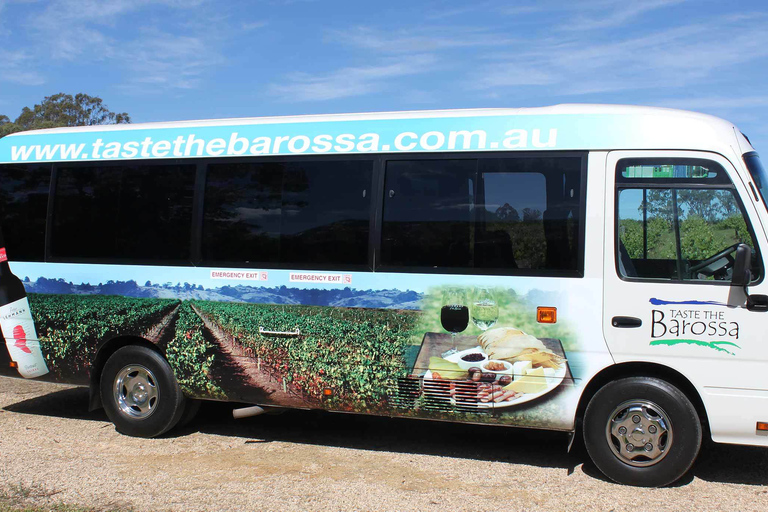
<point>712,259</point>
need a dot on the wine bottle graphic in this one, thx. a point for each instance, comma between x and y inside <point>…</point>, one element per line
<point>16,323</point>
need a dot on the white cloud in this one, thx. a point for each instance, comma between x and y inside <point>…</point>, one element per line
<point>523,9</point>
<point>161,60</point>
<point>715,102</point>
<point>439,10</point>
<point>253,25</point>
<point>423,39</point>
<point>97,30</point>
<point>664,59</point>
<point>614,13</point>
<point>397,54</point>
<point>350,81</point>
<point>17,68</point>
<point>418,97</point>
<point>581,56</point>
<point>586,14</point>
<point>76,28</point>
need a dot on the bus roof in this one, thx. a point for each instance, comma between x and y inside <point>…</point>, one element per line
<point>558,127</point>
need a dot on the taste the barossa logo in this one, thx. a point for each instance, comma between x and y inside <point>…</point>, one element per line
<point>678,324</point>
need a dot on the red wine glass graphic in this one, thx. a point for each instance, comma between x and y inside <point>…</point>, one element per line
<point>454,315</point>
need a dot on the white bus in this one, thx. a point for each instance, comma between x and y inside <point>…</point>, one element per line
<point>591,269</point>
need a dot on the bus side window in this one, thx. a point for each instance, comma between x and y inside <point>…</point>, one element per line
<point>308,214</point>
<point>23,209</point>
<point>522,215</point>
<point>427,213</point>
<point>123,212</point>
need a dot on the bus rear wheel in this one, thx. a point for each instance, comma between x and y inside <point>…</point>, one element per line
<point>140,393</point>
<point>642,431</point>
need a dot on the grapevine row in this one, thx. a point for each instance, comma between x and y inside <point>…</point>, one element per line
<point>357,353</point>
<point>70,326</point>
<point>189,354</point>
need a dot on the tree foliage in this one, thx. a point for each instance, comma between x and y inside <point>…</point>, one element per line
<point>710,205</point>
<point>63,110</point>
<point>697,239</point>
<point>709,221</point>
<point>658,245</point>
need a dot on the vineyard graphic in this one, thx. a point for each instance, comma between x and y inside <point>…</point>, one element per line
<point>352,350</point>
<point>217,351</point>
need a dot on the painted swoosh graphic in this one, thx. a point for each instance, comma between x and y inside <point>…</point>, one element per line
<point>661,302</point>
<point>715,345</point>
<point>21,339</point>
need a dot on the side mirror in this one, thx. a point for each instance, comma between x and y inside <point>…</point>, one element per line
<point>742,277</point>
<point>743,261</point>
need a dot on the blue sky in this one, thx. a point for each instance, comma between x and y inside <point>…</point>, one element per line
<point>194,59</point>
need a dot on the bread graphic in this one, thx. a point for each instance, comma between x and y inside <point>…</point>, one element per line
<point>513,344</point>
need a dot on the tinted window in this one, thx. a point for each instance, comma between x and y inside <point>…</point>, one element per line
<point>242,213</point>
<point>428,207</point>
<point>506,215</point>
<point>682,233</point>
<point>23,209</point>
<point>758,173</point>
<point>123,212</point>
<point>307,214</point>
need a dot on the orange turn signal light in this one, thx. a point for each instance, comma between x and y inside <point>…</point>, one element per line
<point>14,364</point>
<point>546,315</point>
<point>327,392</point>
<point>761,425</point>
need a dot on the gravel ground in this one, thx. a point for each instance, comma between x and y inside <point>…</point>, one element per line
<point>301,460</point>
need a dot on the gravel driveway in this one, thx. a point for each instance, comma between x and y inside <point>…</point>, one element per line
<point>300,460</point>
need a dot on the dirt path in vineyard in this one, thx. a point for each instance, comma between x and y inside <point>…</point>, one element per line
<point>164,330</point>
<point>235,370</point>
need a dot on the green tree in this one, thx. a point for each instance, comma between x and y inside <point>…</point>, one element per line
<point>6,126</point>
<point>63,110</point>
<point>661,239</point>
<point>711,205</point>
<point>739,227</point>
<point>697,240</point>
<point>659,204</point>
<point>659,235</point>
<point>631,233</point>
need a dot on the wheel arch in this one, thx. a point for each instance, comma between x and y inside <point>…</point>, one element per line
<point>103,352</point>
<point>642,369</point>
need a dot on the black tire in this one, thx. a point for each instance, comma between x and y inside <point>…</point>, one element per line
<point>625,400</point>
<point>191,408</point>
<point>140,393</point>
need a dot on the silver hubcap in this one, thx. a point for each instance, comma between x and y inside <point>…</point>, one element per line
<point>136,391</point>
<point>639,433</point>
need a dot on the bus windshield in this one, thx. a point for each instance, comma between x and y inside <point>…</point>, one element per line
<point>758,172</point>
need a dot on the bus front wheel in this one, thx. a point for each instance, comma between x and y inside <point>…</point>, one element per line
<point>140,393</point>
<point>642,431</point>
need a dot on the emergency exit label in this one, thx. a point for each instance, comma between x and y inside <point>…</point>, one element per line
<point>315,277</point>
<point>240,275</point>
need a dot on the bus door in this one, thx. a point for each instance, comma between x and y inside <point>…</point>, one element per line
<point>673,222</point>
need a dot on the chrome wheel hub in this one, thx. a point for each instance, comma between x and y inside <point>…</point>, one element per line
<point>639,432</point>
<point>135,391</point>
